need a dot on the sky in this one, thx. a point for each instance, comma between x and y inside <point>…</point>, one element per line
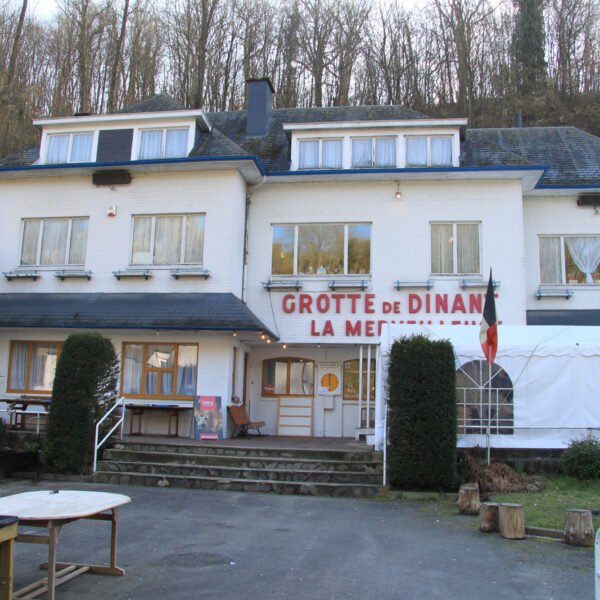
<point>45,9</point>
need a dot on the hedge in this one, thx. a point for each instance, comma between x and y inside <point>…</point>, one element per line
<point>422,415</point>
<point>85,385</point>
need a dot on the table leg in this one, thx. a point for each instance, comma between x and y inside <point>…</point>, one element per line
<point>53,533</point>
<point>113,538</point>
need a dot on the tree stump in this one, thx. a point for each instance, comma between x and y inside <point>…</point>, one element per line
<point>488,517</point>
<point>511,521</point>
<point>579,528</point>
<point>468,499</point>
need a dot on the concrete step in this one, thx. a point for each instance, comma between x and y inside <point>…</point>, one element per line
<point>251,451</point>
<point>251,462</point>
<point>278,473</point>
<point>238,485</point>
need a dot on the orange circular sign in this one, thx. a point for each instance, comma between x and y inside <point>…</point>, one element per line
<point>330,381</point>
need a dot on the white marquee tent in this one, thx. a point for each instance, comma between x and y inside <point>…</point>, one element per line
<point>555,375</point>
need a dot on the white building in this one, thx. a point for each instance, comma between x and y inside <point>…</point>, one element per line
<point>257,255</point>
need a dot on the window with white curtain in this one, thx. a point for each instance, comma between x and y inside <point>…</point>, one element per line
<point>433,151</point>
<point>54,241</point>
<point>455,248</point>
<point>69,148</point>
<point>570,259</point>
<point>163,143</point>
<point>374,152</point>
<point>159,370</point>
<point>168,239</point>
<point>323,154</point>
<point>32,366</point>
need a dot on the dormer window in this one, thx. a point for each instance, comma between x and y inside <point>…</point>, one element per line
<point>70,148</point>
<point>324,154</point>
<point>163,143</point>
<point>374,152</point>
<point>429,151</point>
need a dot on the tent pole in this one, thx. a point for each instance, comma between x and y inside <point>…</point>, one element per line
<point>489,410</point>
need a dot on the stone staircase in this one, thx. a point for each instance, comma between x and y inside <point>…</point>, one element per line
<point>283,471</point>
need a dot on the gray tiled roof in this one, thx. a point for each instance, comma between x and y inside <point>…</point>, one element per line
<point>21,158</point>
<point>126,311</point>
<point>572,155</point>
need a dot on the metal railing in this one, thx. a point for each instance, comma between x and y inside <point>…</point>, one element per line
<point>119,403</point>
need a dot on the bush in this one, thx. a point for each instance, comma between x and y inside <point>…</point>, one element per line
<point>582,459</point>
<point>422,417</point>
<point>85,386</point>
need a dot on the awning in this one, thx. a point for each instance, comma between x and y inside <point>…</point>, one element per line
<point>209,312</point>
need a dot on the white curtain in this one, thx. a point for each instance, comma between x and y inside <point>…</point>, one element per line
<point>441,248</point>
<point>43,366</point>
<point>416,152</point>
<point>441,151</point>
<point>309,155</point>
<point>362,153</point>
<point>385,152</point>
<point>142,232</point>
<point>151,144</point>
<point>467,247</point>
<point>550,260</point>
<point>18,366</point>
<point>81,148</point>
<point>79,229</point>
<point>194,239</point>
<point>54,242</point>
<point>167,241</point>
<point>132,369</point>
<point>31,231</point>
<point>585,252</point>
<point>186,370</point>
<point>176,143</point>
<point>332,154</point>
<point>58,148</point>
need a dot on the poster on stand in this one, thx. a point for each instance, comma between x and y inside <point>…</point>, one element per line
<point>207,423</point>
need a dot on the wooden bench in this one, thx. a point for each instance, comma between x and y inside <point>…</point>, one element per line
<point>242,421</point>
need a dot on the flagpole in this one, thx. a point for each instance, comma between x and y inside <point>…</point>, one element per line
<point>488,337</point>
<point>489,414</point>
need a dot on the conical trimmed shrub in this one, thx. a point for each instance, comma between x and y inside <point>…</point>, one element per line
<point>85,386</point>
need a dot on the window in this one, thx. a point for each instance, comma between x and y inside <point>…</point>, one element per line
<point>159,370</point>
<point>73,148</point>
<point>474,407</point>
<point>163,143</point>
<point>31,366</point>
<point>167,239</point>
<point>325,154</point>
<point>351,377</point>
<point>321,249</point>
<point>378,152</point>
<point>455,248</point>
<point>54,241</point>
<point>288,377</point>
<point>428,151</point>
<point>569,259</point>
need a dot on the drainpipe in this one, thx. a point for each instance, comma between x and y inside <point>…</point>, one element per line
<point>249,193</point>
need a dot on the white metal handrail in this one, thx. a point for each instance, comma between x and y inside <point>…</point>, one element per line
<point>120,402</point>
<point>597,563</point>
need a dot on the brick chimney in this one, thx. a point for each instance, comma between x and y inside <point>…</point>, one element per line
<point>260,104</point>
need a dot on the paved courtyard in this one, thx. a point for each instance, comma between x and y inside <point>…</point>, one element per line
<point>191,544</point>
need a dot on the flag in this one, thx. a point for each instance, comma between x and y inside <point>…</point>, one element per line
<point>488,334</point>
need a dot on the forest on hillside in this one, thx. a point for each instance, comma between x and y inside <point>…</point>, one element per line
<point>481,59</point>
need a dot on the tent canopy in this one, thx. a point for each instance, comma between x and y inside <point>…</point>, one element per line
<point>554,371</point>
